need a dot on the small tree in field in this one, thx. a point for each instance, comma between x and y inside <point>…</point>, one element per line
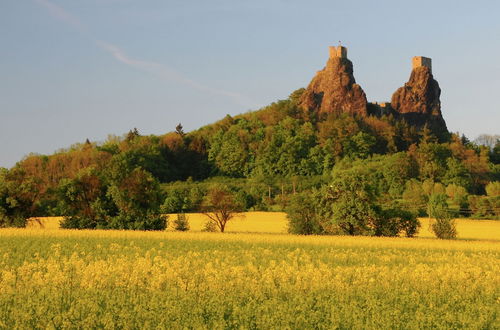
<point>302,214</point>
<point>220,206</point>
<point>443,226</point>
<point>181,223</point>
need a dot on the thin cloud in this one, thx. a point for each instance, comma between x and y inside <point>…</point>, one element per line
<point>61,14</point>
<point>155,68</point>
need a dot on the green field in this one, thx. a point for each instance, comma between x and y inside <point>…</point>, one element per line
<point>119,279</point>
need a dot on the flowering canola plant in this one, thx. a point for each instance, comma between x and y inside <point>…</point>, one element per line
<point>123,279</point>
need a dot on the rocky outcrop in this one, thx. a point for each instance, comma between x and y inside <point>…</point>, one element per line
<point>334,89</point>
<point>418,100</point>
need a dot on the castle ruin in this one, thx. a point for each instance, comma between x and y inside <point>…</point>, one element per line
<point>339,51</point>
<point>419,61</point>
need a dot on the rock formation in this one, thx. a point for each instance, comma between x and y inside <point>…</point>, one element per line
<point>418,100</point>
<point>334,89</point>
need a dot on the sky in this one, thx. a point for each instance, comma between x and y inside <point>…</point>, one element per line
<point>77,69</point>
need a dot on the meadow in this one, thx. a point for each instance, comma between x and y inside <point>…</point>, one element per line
<point>174,280</point>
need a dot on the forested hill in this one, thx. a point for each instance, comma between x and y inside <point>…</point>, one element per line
<point>405,145</point>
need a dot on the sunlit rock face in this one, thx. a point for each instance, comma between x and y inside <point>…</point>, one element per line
<point>334,89</point>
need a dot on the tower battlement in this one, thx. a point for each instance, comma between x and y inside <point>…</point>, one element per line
<point>419,61</point>
<point>339,51</point>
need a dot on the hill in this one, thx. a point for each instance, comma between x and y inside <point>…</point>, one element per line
<point>266,155</point>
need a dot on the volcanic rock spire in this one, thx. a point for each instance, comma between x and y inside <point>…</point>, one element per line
<point>334,89</point>
<point>418,100</point>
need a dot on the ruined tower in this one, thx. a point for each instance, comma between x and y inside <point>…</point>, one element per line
<point>419,61</point>
<point>339,51</point>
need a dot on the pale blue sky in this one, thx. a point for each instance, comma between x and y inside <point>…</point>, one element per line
<point>77,69</point>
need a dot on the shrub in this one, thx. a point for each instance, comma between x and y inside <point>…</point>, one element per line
<point>302,215</point>
<point>182,222</point>
<point>443,226</point>
<point>210,227</point>
<point>393,221</point>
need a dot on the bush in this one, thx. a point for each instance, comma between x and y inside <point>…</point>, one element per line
<point>141,221</point>
<point>210,227</point>
<point>443,226</point>
<point>393,221</point>
<point>302,215</point>
<point>182,222</point>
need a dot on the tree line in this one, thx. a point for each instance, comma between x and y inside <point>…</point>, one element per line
<point>264,159</point>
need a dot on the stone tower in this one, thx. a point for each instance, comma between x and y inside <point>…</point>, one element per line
<point>419,61</point>
<point>339,51</point>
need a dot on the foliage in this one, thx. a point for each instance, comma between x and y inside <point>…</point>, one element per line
<point>118,199</point>
<point>210,227</point>
<point>393,221</point>
<point>220,206</point>
<point>444,226</point>
<point>273,152</point>
<point>493,189</point>
<point>353,204</point>
<point>414,197</point>
<point>302,215</point>
<point>17,197</point>
<point>349,205</point>
<point>182,222</point>
<point>84,201</point>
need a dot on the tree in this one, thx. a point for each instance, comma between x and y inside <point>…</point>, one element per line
<point>18,195</point>
<point>495,153</point>
<point>457,174</point>
<point>180,130</point>
<point>493,189</point>
<point>137,196</point>
<point>119,198</point>
<point>83,201</point>
<point>443,226</point>
<point>302,215</point>
<point>360,145</point>
<point>458,196</point>
<point>220,206</point>
<point>354,210</point>
<point>177,200</point>
<point>229,154</point>
<point>488,140</point>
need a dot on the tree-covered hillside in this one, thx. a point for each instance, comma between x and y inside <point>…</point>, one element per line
<point>265,157</point>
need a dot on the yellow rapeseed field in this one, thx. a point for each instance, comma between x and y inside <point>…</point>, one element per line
<point>275,222</point>
<point>249,280</point>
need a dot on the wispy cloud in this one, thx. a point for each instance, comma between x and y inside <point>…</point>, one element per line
<point>151,67</point>
<point>61,14</point>
<point>164,71</point>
